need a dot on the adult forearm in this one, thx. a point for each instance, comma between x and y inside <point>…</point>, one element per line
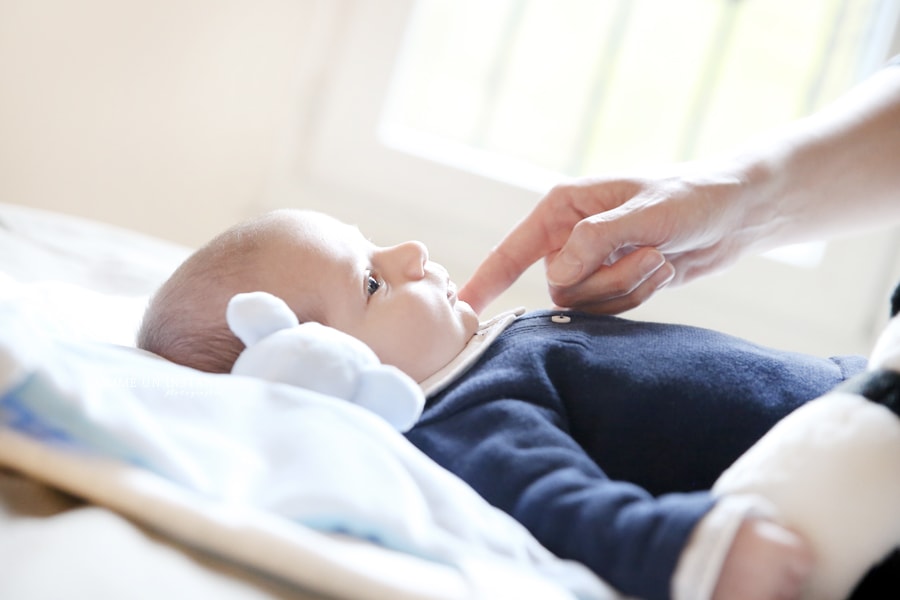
<point>835,172</point>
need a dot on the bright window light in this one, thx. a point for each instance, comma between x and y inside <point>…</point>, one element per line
<point>584,86</point>
<point>533,91</point>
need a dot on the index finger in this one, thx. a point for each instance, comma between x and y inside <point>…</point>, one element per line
<point>544,231</point>
<point>529,241</point>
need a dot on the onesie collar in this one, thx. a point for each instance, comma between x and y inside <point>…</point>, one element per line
<point>486,334</point>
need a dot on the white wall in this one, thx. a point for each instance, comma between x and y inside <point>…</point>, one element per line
<point>167,116</point>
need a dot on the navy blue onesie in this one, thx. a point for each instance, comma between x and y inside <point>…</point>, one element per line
<point>603,435</point>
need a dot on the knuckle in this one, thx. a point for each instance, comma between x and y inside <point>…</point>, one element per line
<point>553,200</point>
<point>591,227</point>
<point>562,296</point>
<point>616,285</point>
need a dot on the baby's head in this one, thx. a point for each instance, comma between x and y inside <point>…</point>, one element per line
<point>392,298</point>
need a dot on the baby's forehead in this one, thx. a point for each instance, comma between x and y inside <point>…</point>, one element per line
<point>298,233</point>
<point>310,259</point>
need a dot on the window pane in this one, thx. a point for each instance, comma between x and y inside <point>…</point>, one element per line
<point>586,86</point>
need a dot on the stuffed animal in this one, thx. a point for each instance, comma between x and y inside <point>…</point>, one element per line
<point>831,470</point>
<point>318,358</point>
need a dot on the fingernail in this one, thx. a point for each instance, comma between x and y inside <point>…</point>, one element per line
<point>668,278</point>
<point>564,270</point>
<point>652,262</point>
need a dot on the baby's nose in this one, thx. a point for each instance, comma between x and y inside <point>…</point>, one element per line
<point>413,256</point>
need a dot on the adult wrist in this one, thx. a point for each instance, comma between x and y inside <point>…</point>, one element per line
<point>762,200</point>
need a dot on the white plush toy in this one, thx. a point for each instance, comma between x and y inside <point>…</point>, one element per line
<point>319,358</point>
<point>831,469</point>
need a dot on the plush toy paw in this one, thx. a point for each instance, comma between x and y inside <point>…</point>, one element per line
<point>318,358</point>
<point>832,471</point>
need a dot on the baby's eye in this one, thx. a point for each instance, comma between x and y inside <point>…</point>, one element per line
<point>372,284</point>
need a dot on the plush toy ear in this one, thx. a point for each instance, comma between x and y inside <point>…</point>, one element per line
<point>389,392</point>
<point>255,315</point>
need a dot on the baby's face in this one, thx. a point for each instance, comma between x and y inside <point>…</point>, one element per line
<point>394,299</point>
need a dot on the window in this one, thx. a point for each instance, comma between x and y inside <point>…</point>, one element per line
<point>579,86</point>
<point>446,121</point>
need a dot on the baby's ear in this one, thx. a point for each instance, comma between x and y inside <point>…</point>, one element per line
<point>255,315</point>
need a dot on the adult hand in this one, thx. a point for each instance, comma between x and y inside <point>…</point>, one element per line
<point>609,244</point>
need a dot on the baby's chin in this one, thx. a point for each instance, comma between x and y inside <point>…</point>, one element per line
<point>468,316</point>
<point>454,342</point>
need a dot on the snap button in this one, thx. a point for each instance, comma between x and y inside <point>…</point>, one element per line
<point>561,318</point>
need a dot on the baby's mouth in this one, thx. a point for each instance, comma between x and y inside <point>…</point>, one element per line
<point>451,292</point>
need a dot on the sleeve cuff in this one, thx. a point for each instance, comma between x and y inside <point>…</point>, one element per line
<point>701,561</point>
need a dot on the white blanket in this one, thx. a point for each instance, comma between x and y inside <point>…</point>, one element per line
<point>254,471</point>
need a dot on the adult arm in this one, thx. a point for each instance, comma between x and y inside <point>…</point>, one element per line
<point>610,243</point>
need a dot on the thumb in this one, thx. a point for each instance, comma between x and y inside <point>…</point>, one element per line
<point>592,243</point>
<point>565,268</point>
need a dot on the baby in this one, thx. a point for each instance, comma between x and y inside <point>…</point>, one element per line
<point>601,435</point>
